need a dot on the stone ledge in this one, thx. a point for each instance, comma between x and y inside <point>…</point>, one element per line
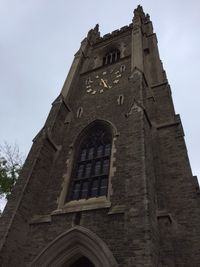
<point>164,215</point>
<point>166,125</point>
<point>159,84</point>
<point>118,209</point>
<point>40,219</point>
<point>83,204</point>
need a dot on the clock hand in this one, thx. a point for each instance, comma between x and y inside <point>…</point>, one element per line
<point>104,83</point>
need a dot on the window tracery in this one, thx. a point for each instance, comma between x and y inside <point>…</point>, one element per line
<point>91,169</point>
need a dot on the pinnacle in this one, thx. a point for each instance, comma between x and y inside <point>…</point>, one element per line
<point>139,10</point>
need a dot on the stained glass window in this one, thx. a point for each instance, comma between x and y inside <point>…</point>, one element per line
<point>91,169</point>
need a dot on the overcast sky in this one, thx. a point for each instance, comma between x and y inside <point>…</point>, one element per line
<point>38,39</point>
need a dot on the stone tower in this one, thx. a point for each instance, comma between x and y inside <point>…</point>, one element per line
<point>107,181</point>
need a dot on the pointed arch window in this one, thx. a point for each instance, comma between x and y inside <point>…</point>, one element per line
<point>92,164</point>
<point>111,57</point>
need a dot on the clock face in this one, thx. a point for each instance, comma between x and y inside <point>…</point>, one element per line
<point>104,81</point>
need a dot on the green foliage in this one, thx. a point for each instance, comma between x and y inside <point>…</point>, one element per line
<point>10,167</point>
<point>8,176</point>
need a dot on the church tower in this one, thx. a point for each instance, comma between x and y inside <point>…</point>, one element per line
<point>107,182</point>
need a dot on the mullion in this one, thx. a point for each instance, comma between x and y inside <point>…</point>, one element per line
<point>99,174</point>
<point>102,162</point>
<point>89,187</point>
<point>80,189</point>
<point>73,190</point>
<point>104,151</point>
<point>85,168</point>
<point>77,170</point>
<point>83,178</point>
<point>83,181</point>
<point>93,161</point>
<point>108,167</point>
<point>99,184</point>
<point>103,177</point>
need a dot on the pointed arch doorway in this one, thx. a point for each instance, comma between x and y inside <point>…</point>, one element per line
<point>77,247</point>
<point>82,262</point>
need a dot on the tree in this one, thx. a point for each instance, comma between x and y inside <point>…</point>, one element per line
<point>11,161</point>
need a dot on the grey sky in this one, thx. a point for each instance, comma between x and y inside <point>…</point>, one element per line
<point>38,39</point>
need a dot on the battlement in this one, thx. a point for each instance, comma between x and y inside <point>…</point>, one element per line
<point>138,13</point>
<point>116,32</point>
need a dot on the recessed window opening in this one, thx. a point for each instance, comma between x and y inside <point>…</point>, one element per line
<point>91,169</point>
<point>111,57</point>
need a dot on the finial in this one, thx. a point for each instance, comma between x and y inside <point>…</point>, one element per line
<point>139,13</point>
<point>93,34</point>
<point>138,10</point>
<point>96,28</point>
<point>147,17</point>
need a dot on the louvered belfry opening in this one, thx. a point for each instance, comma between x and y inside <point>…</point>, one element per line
<point>111,57</point>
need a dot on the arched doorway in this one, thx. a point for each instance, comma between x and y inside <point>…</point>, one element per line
<point>82,262</point>
<point>77,247</point>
